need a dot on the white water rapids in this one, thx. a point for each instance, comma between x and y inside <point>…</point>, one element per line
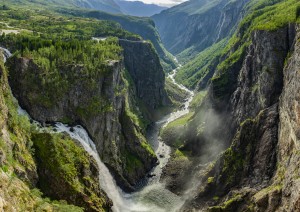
<point>153,196</point>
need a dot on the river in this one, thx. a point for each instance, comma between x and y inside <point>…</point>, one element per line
<point>153,196</point>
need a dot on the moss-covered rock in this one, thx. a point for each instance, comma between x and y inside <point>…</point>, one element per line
<point>102,103</point>
<point>18,169</point>
<point>67,172</point>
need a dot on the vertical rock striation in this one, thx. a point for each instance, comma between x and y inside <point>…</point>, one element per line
<point>144,67</point>
<point>261,125</point>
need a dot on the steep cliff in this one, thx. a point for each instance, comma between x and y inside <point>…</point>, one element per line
<point>196,25</point>
<point>287,174</point>
<point>104,102</point>
<point>20,173</point>
<point>251,101</point>
<point>144,67</point>
<point>98,103</point>
<point>255,170</point>
<point>67,172</point>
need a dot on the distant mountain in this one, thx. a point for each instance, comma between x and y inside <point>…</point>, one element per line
<point>103,5</point>
<point>197,24</point>
<point>138,8</point>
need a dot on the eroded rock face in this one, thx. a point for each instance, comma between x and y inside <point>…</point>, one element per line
<point>144,67</point>
<point>67,172</point>
<point>264,151</point>
<point>98,103</point>
<point>289,133</point>
<point>260,80</point>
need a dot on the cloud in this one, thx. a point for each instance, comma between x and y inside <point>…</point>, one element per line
<point>165,3</point>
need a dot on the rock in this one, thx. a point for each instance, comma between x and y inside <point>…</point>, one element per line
<point>99,106</point>
<point>151,175</point>
<point>262,107</point>
<point>67,172</point>
<point>2,204</point>
<point>144,67</point>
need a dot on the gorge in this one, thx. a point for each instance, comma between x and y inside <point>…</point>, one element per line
<point>97,115</point>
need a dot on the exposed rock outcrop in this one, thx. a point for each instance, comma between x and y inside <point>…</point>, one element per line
<point>19,172</point>
<point>144,67</point>
<point>101,102</point>
<point>252,125</point>
<point>286,181</point>
<point>98,104</point>
<point>67,172</point>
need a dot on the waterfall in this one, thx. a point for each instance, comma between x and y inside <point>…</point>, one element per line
<point>222,24</point>
<point>6,54</point>
<point>107,182</point>
<point>154,196</point>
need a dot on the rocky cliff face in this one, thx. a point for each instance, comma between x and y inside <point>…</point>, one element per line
<point>67,172</point>
<point>262,128</point>
<point>197,24</point>
<point>102,104</point>
<point>287,174</point>
<point>22,173</point>
<point>144,67</point>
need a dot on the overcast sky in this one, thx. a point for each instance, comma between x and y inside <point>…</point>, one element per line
<point>166,3</point>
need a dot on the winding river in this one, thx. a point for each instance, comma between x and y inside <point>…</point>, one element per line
<point>153,196</point>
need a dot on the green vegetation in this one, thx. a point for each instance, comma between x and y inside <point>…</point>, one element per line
<point>176,94</point>
<point>180,154</point>
<point>229,205</point>
<point>233,164</point>
<point>261,15</point>
<point>210,180</point>
<point>18,168</point>
<point>68,169</point>
<point>108,6</point>
<point>133,163</point>
<point>173,133</point>
<point>298,12</point>
<point>197,69</point>
<point>267,190</point>
<point>197,100</point>
<point>18,131</point>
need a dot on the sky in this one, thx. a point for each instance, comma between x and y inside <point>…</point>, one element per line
<point>165,3</point>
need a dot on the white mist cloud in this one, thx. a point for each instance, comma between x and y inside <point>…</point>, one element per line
<point>165,3</point>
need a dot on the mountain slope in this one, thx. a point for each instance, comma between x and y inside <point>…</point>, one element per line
<point>138,8</point>
<point>241,126</point>
<point>137,25</point>
<point>196,25</point>
<point>84,81</point>
<point>142,26</point>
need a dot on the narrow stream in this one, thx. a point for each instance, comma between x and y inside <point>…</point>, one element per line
<point>153,196</point>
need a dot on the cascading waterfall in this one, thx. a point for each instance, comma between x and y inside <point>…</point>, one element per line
<point>153,196</point>
<point>6,53</point>
<point>222,24</point>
